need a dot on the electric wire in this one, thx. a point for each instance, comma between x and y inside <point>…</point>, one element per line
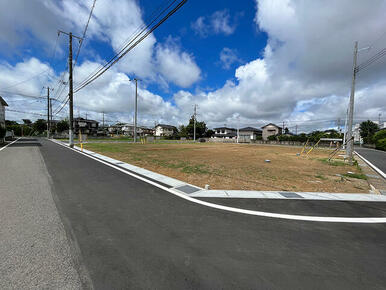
<point>134,42</point>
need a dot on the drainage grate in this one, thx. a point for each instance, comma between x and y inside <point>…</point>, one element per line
<point>289,194</point>
<point>187,189</point>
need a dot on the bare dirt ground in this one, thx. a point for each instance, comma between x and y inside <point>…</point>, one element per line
<point>240,166</point>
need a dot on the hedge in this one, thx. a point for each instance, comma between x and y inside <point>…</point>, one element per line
<point>381,144</point>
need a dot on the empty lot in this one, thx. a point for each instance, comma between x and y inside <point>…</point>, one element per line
<point>240,166</point>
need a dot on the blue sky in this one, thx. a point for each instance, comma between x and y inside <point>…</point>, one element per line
<point>248,62</point>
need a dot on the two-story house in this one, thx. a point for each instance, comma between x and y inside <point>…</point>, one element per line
<point>164,130</point>
<point>249,134</point>
<point>86,126</point>
<point>270,130</point>
<point>3,104</point>
<point>225,133</point>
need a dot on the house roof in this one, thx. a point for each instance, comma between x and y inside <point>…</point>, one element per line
<point>165,126</point>
<point>219,128</point>
<point>250,129</point>
<point>84,120</point>
<point>4,103</point>
<point>271,124</point>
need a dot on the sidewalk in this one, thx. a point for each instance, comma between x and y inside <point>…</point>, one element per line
<point>34,249</point>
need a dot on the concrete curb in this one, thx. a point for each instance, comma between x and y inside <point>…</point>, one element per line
<point>198,192</point>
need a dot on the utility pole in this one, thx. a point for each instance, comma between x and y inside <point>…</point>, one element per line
<point>379,120</point>
<point>238,128</point>
<point>345,131</point>
<point>70,88</point>
<point>48,112</point>
<point>350,144</point>
<point>103,122</point>
<point>283,129</point>
<point>135,109</point>
<point>86,116</point>
<point>296,130</point>
<point>338,123</point>
<point>194,123</point>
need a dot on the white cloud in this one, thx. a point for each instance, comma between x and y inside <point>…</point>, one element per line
<point>112,94</point>
<point>304,75</point>
<point>217,23</point>
<point>228,57</point>
<point>177,66</point>
<point>113,21</point>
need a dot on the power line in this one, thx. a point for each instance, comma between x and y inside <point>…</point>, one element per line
<point>17,111</point>
<point>133,43</point>
<point>84,33</point>
<point>371,60</point>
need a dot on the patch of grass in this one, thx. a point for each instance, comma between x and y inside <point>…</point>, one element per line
<point>332,162</point>
<point>356,175</point>
<point>320,177</point>
<point>199,169</point>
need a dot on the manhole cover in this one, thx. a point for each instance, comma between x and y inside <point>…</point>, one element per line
<point>187,189</point>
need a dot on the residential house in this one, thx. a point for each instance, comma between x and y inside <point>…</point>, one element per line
<point>128,129</point>
<point>249,134</point>
<point>270,130</point>
<point>164,130</point>
<point>85,126</point>
<point>3,104</point>
<point>116,129</point>
<point>225,133</point>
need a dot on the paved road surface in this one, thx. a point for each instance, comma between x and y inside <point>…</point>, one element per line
<point>376,157</point>
<point>132,235</point>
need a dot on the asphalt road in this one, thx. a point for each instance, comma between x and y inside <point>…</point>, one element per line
<point>132,235</point>
<point>376,157</point>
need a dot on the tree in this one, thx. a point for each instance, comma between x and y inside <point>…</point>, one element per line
<point>367,131</point>
<point>40,125</point>
<point>286,131</point>
<point>200,128</point>
<point>182,132</point>
<point>209,133</point>
<point>10,123</point>
<point>62,126</point>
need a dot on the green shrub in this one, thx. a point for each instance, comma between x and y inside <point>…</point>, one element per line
<point>381,144</point>
<point>272,138</point>
<point>379,135</point>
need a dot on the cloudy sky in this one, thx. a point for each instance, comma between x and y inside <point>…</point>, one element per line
<point>247,62</point>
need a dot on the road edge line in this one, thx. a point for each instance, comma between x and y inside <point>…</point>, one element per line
<point>234,209</point>
<point>380,172</point>
<point>2,148</point>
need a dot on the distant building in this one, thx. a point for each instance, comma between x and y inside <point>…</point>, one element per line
<point>85,126</point>
<point>248,134</point>
<point>225,133</point>
<point>271,130</point>
<point>3,104</point>
<point>164,130</point>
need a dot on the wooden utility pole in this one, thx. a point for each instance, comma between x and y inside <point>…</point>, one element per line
<point>70,88</point>
<point>194,124</point>
<point>48,112</point>
<point>350,142</point>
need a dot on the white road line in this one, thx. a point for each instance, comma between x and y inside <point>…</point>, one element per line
<point>379,171</point>
<point>2,148</point>
<point>369,220</point>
